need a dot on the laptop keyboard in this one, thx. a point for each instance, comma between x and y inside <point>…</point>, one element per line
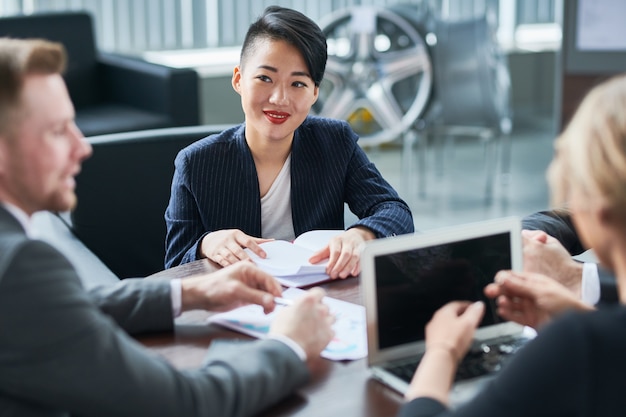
<point>480,360</point>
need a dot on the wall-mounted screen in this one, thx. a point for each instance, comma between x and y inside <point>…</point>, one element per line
<point>594,36</point>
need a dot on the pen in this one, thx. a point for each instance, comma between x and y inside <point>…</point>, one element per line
<point>283,301</point>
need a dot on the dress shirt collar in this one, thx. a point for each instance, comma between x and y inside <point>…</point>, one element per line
<point>21,216</point>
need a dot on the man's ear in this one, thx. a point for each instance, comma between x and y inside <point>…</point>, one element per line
<point>236,80</point>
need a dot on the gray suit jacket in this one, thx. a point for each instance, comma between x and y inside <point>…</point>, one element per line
<point>60,355</point>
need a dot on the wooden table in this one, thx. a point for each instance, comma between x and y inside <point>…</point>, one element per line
<point>343,389</point>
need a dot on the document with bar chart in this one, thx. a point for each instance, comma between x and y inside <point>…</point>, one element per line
<point>349,343</point>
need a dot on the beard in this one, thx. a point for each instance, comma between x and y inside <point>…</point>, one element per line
<point>62,202</point>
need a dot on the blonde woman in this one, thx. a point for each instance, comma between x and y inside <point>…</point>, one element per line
<point>575,366</point>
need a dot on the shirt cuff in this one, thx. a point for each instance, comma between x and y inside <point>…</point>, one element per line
<point>590,285</point>
<point>177,297</point>
<point>297,349</point>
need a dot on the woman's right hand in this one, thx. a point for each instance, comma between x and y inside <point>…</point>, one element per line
<point>225,247</point>
<point>449,335</point>
<point>453,326</point>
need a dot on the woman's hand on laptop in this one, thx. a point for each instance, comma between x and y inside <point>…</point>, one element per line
<point>531,299</point>
<point>448,337</point>
<point>452,327</point>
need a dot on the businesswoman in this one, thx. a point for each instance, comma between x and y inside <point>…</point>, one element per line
<point>575,366</point>
<point>282,172</point>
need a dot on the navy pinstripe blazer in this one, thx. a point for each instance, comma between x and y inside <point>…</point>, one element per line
<point>215,187</point>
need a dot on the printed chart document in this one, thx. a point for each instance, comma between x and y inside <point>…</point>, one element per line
<point>289,262</point>
<point>350,341</point>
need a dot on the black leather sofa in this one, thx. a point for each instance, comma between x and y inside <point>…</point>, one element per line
<point>112,93</point>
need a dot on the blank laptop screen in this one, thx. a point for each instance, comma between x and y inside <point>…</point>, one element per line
<point>412,285</point>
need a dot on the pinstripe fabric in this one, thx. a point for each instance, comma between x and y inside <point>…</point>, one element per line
<point>215,186</point>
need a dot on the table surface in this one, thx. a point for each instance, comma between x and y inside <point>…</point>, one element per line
<point>343,388</point>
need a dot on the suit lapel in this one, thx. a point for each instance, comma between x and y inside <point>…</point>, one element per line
<point>12,235</point>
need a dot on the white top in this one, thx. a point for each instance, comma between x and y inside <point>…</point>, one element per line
<point>276,220</point>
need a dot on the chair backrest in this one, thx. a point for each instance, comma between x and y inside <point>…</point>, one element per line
<point>123,191</point>
<point>75,31</point>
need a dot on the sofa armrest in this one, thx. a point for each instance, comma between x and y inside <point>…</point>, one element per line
<point>153,87</point>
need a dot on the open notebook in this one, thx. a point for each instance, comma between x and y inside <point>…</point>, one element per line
<point>405,279</point>
<point>289,261</point>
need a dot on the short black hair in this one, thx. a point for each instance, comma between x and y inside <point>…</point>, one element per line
<point>280,23</point>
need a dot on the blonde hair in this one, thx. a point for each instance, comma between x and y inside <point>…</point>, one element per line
<point>18,59</point>
<point>590,155</point>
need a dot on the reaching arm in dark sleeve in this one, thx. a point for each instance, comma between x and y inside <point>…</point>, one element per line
<point>60,353</point>
<point>372,199</point>
<point>608,287</point>
<point>558,224</point>
<point>184,224</point>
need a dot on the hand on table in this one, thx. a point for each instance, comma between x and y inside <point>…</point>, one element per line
<point>531,299</point>
<point>230,287</point>
<point>226,247</point>
<point>344,252</point>
<point>307,322</point>
<point>545,255</point>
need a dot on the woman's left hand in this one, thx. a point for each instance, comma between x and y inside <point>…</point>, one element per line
<point>531,299</point>
<point>344,252</point>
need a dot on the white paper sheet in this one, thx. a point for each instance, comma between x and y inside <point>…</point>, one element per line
<point>349,343</point>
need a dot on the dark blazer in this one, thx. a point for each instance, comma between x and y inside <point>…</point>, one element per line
<point>572,368</point>
<point>558,224</point>
<point>60,355</point>
<point>215,186</point>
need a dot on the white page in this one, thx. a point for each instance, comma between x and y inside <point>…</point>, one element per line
<point>284,259</point>
<point>315,240</point>
<point>299,281</point>
<point>289,262</point>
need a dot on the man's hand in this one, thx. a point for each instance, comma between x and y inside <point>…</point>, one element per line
<point>307,322</point>
<point>545,255</point>
<point>225,247</point>
<point>531,299</point>
<point>230,287</point>
<point>344,252</point>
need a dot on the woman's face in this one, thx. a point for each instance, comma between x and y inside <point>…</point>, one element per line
<point>276,90</point>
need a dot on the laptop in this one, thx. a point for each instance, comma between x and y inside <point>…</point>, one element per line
<point>405,279</point>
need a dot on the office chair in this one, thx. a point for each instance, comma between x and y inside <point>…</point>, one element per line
<point>123,190</point>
